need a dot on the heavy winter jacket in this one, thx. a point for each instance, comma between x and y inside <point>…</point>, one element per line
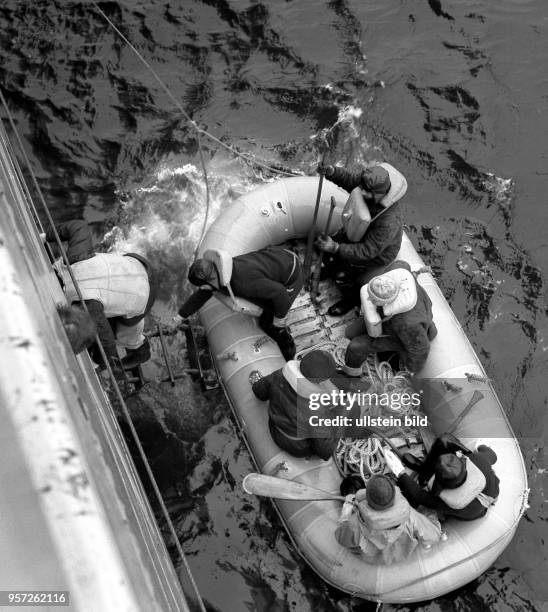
<point>382,240</point>
<point>414,330</point>
<point>270,278</point>
<point>288,418</point>
<point>408,333</point>
<point>475,509</point>
<point>386,536</point>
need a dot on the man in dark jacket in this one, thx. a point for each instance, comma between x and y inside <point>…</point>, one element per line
<point>408,333</point>
<point>118,290</point>
<point>290,391</point>
<point>353,261</point>
<point>270,278</point>
<point>463,486</point>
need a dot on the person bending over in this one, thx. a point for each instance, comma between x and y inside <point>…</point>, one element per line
<point>119,290</point>
<point>270,278</point>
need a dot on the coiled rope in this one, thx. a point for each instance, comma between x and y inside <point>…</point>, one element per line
<point>365,456</point>
<point>114,382</point>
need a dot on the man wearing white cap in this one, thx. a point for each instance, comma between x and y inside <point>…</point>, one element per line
<point>397,317</point>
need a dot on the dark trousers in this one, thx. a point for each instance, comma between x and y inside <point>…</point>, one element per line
<point>303,447</point>
<point>293,288</point>
<point>361,345</point>
<point>348,278</point>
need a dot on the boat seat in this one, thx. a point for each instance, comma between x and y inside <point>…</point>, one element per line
<point>223,262</point>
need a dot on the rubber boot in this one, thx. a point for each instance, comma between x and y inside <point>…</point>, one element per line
<point>412,462</point>
<point>135,357</point>
<point>285,341</point>
<point>341,307</point>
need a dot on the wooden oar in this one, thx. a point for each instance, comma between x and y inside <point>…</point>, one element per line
<point>476,397</point>
<point>270,486</point>
<point>312,230</point>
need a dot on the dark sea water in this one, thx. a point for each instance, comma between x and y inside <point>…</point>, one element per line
<point>454,94</point>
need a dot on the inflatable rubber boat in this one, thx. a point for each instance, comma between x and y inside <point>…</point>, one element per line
<point>281,211</point>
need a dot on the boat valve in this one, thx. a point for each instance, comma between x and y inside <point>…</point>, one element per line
<point>260,342</point>
<point>280,467</point>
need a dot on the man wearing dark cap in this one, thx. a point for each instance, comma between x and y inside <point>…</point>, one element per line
<point>384,529</point>
<point>397,317</point>
<point>358,249</point>
<point>289,390</point>
<point>460,483</point>
<point>270,278</point>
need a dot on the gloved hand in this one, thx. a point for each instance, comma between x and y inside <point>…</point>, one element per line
<point>327,244</point>
<point>394,464</point>
<point>348,508</point>
<point>254,377</point>
<point>326,170</point>
<point>177,320</point>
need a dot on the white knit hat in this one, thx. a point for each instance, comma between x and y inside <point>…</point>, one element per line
<point>382,290</point>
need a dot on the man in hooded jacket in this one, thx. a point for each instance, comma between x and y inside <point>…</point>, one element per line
<point>461,483</point>
<point>381,526</point>
<point>353,261</point>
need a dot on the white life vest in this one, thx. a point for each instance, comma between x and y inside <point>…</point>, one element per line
<point>119,282</point>
<point>378,520</point>
<point>468,491</point>
<point>405,300</point>
<point>398,186</point>
<point>356,216</point>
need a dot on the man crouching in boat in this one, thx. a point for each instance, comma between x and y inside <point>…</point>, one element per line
<point>289,390</point>
<point>460,483</point>
<point>270,278</point>
<point>397,317</point>
<point>380,525</point>
<point>372,228</point>
<point>119,291</point>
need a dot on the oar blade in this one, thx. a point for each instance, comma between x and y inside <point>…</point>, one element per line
<point>270,486</point>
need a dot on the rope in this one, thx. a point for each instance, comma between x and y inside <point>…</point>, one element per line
<point>249,159</point>
<point>115,385</point>
<point>245,156</point>
<point>208,197</point>
<point>365,456</point>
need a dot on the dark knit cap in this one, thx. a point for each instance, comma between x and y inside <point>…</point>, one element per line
<point>351,484</point>
<point>450,471</point>
<point>318,365</point>
<point>376,179</point>
<point>380,493</point>
<point>201,272</point>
